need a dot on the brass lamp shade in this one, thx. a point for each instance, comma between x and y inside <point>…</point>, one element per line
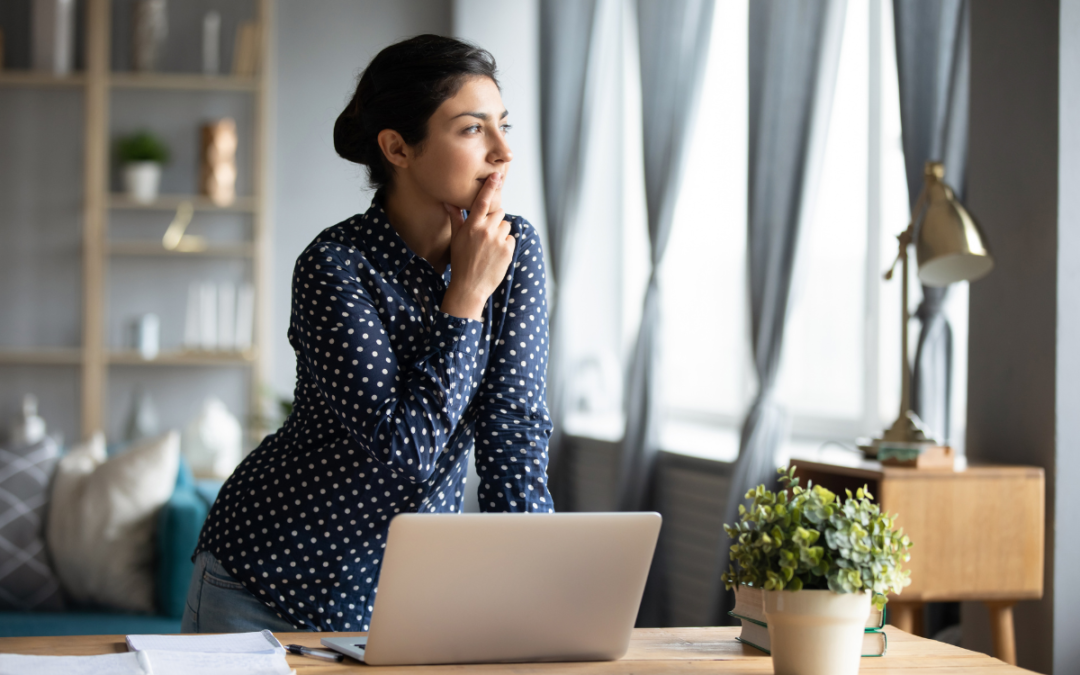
<point>949,244</point>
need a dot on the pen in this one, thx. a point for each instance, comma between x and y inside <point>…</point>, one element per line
<point>315,653</point>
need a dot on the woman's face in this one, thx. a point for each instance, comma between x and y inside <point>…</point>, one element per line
<point>466,143</point>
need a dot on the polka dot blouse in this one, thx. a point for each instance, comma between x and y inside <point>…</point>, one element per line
<point>391,397</point>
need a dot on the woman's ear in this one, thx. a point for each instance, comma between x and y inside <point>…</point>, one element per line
<point>394,148</point>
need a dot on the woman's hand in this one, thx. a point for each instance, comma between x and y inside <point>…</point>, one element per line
<point>481,249</point>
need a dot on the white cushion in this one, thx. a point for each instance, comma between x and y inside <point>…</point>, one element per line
<point>102,520</point>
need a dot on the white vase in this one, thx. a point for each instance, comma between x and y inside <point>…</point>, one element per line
<point>816,632</point>
<point>141,180</point>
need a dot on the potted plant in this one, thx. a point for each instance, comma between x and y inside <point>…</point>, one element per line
<point>820,560</point>
<point>141,156</point>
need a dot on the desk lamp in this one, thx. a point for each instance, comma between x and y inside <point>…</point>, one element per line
<point>949,247</point>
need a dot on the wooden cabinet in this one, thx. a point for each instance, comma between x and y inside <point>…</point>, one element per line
<point>976,534</point>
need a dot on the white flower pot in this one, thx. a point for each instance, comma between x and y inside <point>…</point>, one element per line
<point>141,181</point>
<point>816,632</point>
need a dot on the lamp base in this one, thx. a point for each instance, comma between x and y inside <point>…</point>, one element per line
<point>904,437</point>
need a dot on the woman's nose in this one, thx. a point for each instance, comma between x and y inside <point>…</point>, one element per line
<point>501,152</point>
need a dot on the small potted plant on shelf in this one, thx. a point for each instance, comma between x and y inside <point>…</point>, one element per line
<point>821,560</point>
<point>141,156</point>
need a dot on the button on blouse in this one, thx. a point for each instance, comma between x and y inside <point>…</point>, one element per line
<point>392,395</point>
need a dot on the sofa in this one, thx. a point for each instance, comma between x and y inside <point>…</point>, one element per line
<point>178,526</point>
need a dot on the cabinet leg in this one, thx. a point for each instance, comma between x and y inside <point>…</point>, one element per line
<point>907,616</point>
<point>1002,631</point>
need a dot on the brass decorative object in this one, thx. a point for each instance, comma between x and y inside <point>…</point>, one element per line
<point>175,239</point>
<point>949,247</point>
<point>218,176</point>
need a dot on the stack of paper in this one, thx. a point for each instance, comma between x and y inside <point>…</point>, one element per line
<point>228,654</point>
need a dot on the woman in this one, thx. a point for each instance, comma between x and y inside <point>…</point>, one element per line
<point>420,334</point>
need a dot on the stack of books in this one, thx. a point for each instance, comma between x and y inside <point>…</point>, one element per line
<point>750,610</point>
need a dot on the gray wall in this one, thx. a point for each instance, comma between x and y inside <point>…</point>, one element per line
<point>1023,366</point>
<point>321,48</point>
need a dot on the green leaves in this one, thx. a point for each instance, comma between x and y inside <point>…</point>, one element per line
<point>777,543</point>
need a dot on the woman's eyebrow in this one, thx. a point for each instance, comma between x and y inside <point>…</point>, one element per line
<point>479,115</point>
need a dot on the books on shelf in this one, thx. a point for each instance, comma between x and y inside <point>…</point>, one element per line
<point>750,610</point>
<point>220,316</point>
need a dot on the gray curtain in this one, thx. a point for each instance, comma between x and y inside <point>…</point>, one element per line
<point>673,42</point>
<point>932,59</point>
<point>566,36</point>
<point>794,50</point>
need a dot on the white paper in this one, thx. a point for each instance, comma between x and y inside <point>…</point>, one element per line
<point>245,316</point>
<point>200,663</point>
<point>104,664</point>
<point>226,324</point>
<point>257,642</point>
<point>149,662</point>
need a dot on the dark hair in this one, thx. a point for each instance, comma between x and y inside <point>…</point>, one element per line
<point>400,89</point>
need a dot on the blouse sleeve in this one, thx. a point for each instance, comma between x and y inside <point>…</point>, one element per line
<point>513,425</point>
<point>402,417</point>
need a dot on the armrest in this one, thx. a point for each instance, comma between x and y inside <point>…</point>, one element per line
<point>179,524</point>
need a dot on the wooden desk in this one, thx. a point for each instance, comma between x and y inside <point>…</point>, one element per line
<point>976,534</point>
<point>652,651</point>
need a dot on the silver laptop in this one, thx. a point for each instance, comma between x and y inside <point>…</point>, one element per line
<point>477,588</point>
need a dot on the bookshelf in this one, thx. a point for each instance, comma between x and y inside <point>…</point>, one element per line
<point>103,362</point>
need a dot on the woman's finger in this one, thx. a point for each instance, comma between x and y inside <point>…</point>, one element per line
<point>483,198</point>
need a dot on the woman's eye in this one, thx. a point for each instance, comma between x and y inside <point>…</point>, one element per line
<point>473,129</point>
<point>507,127</point>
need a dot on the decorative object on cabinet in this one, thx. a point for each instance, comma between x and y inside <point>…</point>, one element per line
<point>211,443</point>
<point>141,156</point>
<point>949,247</point>
<point>151,26</point>
<point>218,168</point>
<point>821,560</point>
<point>28,427</point>
<point>211,43</point>
<point>54,36</point>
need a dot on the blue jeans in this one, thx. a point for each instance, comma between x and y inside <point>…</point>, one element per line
<point>218,603</point>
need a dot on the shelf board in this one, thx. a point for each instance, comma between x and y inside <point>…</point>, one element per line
<point>154,248</point>
<point>183,82</point>
<point>122,202</point>
<point>41,357</point>
<point>183,358</point>
<point>33,78</point>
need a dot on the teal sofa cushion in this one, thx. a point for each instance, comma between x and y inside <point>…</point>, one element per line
<point>179,524</point>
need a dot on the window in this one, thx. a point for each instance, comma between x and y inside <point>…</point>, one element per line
<point>840,375</point>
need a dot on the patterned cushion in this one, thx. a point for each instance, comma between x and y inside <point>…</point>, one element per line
<point>26,579</point>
